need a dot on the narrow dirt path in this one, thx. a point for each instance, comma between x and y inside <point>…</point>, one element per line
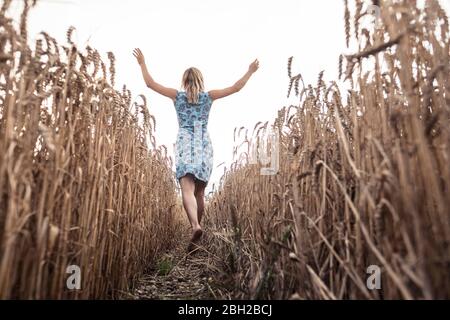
<point>178,275</point>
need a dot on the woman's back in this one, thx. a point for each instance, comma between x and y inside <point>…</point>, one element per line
<point>193,149</point>
<point>193,115</point>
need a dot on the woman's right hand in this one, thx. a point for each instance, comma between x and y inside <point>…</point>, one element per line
<point>254,66</point>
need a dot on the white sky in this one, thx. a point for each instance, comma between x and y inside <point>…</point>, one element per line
<point>221,38</point>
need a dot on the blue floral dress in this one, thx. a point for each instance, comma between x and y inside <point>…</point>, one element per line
<point>193,149</point>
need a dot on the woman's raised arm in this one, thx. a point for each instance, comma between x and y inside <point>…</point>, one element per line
<point>152,84</point>
<point>222,93</point>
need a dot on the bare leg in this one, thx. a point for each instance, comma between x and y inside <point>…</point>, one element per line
<point>200,187</point>
<point>187,184</point>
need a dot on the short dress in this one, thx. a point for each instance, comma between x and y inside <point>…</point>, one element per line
<point>193,148</point>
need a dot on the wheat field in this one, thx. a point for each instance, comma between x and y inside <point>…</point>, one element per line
<point>363,177</point>
<point>79,182</point>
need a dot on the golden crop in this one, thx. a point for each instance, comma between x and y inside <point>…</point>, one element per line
<point>78,184</point>
<point>364,175</point>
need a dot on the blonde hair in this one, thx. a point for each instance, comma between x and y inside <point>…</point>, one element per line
<point>193,84</point>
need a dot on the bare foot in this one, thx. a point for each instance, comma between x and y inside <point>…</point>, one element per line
<point>196,235</point>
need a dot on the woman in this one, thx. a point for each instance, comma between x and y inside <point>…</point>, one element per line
<point>194,153</point>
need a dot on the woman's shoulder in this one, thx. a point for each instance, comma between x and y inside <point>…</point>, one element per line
<point>204,95</point>
<point>201,93</point>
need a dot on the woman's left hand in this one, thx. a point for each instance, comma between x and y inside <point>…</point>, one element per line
<point>137,53</point>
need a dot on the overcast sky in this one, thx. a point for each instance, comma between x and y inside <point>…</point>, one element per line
<point>221,38</point>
